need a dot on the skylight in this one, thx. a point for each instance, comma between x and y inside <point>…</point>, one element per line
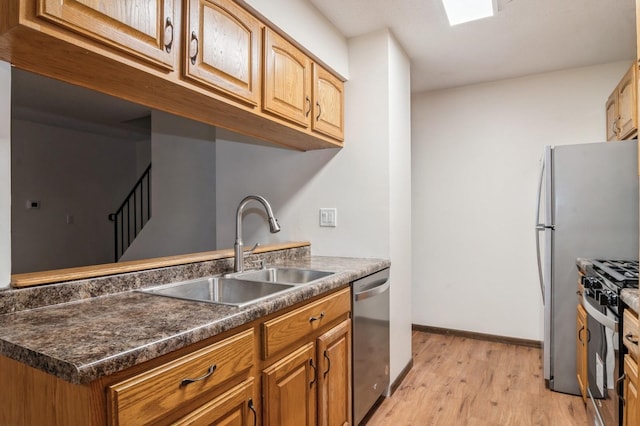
<point>460,11</point>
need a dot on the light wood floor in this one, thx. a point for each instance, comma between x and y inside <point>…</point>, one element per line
<point>468,382</point>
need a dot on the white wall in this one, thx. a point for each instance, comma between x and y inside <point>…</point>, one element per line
<point>5,174</point>
<point>71,173</point>
<point>400,204</point>
<point>475,165</point>
<point>183,189</point>
<point>305,24</point>
<point>356,180</point>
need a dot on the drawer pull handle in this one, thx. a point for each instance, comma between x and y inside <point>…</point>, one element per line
<point>326,356</point>
<point>185,382</point>
<point>318,318</point>
<point>315,373</point>
<point>630,337</point>
<point>253,410</point>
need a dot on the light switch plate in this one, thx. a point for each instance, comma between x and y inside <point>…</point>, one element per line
<point>329,217</point>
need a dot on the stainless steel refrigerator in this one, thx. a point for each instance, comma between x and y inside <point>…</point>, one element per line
<point>587,207</point>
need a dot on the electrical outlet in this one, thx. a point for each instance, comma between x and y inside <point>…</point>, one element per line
<point>329,217</point>
<point>33,204</point>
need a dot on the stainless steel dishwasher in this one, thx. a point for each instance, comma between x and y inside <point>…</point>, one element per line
<point>370,341</point>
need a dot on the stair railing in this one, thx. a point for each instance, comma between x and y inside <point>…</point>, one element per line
<point>133,214</point>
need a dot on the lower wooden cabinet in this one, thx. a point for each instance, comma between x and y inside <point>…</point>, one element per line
<point>160,394</point>
<point>233,408</point>
<point>309,381</point>
<point>311,385</point>
<point>304,380</point>
<point>630,416</point>
<point>630,333</point>
<point>581,352</point>
<point>289,389</point>
<point>334,376</point>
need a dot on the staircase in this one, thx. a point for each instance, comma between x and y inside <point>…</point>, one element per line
<point>133,214</point>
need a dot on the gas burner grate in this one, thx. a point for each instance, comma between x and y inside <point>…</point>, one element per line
<point>623,272</point>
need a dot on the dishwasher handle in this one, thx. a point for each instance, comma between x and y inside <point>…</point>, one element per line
<point>375,288</point>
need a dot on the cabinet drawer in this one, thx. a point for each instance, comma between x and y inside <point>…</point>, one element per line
<point>630,333</point>
<point>286,329</point>
<point>234,407</point>
<point>149,396</point>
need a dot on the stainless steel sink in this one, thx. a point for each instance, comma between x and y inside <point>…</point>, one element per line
<point>283,275</point>
<point>226,291</point>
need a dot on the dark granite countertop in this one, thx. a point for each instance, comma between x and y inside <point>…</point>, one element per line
<point>82,340</point>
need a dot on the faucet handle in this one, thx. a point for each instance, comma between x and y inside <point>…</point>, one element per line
<point>250,251</point>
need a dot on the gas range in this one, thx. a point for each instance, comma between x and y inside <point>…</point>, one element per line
<point>605,279</point>
<point>623,273</point>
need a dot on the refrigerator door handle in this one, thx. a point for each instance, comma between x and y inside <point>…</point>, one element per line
<point>540,277</point>
<point>540,227</point>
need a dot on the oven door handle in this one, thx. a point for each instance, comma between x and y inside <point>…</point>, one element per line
<point>597,315</point>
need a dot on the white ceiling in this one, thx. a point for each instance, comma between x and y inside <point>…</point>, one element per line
<point>524,37</point>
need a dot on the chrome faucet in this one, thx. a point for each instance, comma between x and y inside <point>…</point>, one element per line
<point>238,247</point>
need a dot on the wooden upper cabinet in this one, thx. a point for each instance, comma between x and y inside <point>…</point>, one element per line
<point>622,108</point>
<point>328,105</point>
<point>144,29</point>
<point>627,104</point>
<point>612,116</point>
<point>287,80</point>
<point>222,42</point>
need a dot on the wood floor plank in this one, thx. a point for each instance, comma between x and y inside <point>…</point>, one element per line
<point>464,381</point>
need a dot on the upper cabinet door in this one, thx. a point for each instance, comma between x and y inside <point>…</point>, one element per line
<point>287,80</point>
<point>223,45</point>
<point>612,116</point>
<point>627,103</point>
<point>328,105</point>
<point>141,28</point>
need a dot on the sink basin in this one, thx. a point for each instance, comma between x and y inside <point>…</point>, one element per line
<point>284,275</point>
<point>226,291</point>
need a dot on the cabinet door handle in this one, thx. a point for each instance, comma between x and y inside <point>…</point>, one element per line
<point>319,317</point>
<point>319,111</point>
<point>315,373</point>
<point>168,35</point>
<point>579,337</point>
<point>306,114</point>
<point>253,410</point>
<point>631,338</point>
<point>209,372</point>
<point>193,48</point>
<point>326,356</point>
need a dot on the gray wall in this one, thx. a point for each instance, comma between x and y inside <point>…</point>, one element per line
<point>73,174</point>
<point>183,190</point>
